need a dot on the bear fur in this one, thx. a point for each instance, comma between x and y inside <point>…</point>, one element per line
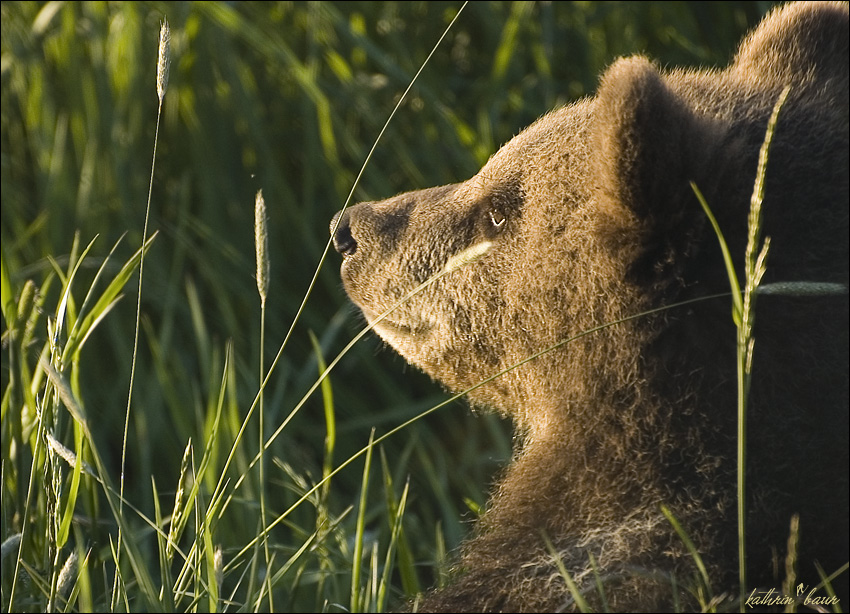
<point>588,218</point>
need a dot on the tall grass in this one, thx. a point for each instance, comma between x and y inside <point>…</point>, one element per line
<point>290,99</point>
<point>743,314</point>
<point>163,62</point>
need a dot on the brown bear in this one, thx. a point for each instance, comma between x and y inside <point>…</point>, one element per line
<point>588,218</point>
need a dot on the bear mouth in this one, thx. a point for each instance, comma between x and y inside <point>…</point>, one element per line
<point>395,332</point>
<point>403,325</point>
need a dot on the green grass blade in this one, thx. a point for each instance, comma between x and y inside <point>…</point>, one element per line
<point>330,417</point>
<point>579,599</point>
<point>406,569</point>
<point>395,517</point>
<point>689,544</point>
<point>737,301</point>
<point>63,306</point>
<point>73,489</point>
<point>359,534</point>
<point>162,551</point>
<point>106,300</point>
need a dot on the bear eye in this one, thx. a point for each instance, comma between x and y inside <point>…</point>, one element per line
<point>497,219</point>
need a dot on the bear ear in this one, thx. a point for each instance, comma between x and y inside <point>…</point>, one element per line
<point>644,143</point>
<point>799,43</point>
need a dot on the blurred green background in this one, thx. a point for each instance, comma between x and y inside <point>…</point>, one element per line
<point>288,98</point>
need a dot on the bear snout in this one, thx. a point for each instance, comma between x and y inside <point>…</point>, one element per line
<point>340,228</point>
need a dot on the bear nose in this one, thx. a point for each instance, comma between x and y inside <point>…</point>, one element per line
<point>344,243</point>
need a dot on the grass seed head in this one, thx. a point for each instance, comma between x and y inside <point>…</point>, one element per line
<point>68,575</point>
<point>468,255</point>
<point>163,60</point>
<point>218,567</point>
<point>261,239</point>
